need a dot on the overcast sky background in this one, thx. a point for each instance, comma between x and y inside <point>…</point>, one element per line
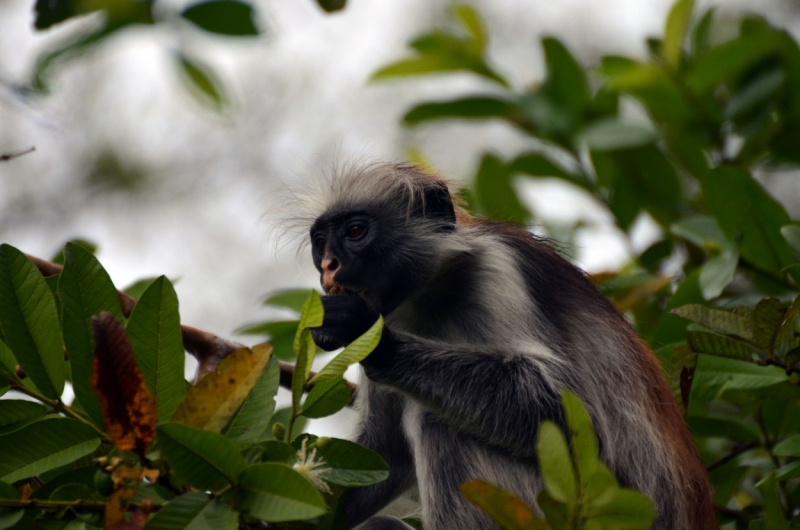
<point>300,98</point>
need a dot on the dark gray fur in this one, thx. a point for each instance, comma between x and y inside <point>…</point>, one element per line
<point>474,361</point>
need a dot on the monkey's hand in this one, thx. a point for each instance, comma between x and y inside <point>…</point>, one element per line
<point>347,317</point>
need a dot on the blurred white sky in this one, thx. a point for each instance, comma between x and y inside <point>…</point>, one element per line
<point>300,97</point>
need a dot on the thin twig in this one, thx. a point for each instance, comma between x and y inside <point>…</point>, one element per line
<point>738,450</point>
<point>94,506</point>
<point>14,154</point>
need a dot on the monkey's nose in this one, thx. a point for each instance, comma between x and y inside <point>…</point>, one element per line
<point>330,264</point>
<point>329,268</point>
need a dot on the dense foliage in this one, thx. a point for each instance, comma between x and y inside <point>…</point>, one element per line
<point>141,447</point>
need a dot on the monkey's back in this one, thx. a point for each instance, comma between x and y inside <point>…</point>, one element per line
<point>574,336</point>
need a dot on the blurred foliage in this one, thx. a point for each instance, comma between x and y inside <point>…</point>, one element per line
<point>225,18</point>
<point>718,114</point>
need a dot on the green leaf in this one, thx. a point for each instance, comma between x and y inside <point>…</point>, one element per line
<point>717,273</point>
<point>9,517</point>
<point>8,364</point>
<point>311,317</point>
<point>728,60</point>
<point>583,441</point>
<point>332,5</point>
<point>194,511</point>
<point>327,398</point>
<point>16,413</point>
<point>136,289</point>
<point>202,82</point>
<point>206,460</point>
<point>280,334</point>
<point>610,134</point>
<point>293,299</point>
<point>627,509</point>
<point>767,318</point>
<point>538,165</point>
<point>276,493</point>
<point>85,289</point>
<point>773,506</point>
<point>723,322</point>
<point>791,233</point>
<point>748,214</point>
<point>44,445</point>
<point>671,328</point>
<point>277,451</point>
<point>509,512</point>
<point>555,465</point>
<point>650,83</point>
<point>639,177</point>
<point>785,333</point>
<point>154,329</point>
<point>29,322</point>
<point>82,476</point>
<point>473,108</point>
<point>225,17</point>
<point>715,375</point>
<point>495,192</point>
<point>716,427</point>
<point>352,465</point>
<point>251,421</point>
<point>471,22</point>
<point>682,363</point>
<point>788,447</point>
<point>675,31</point>
<point>356,352</point>
<point>566,79</point>
<point>304,347</point>
<point>788,472</point>
<point>720,345</point>
<point>703,231</point>
<point>422,65</point>
<point>7,491</point>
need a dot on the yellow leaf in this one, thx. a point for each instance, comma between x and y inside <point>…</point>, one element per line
<point>211,403</point>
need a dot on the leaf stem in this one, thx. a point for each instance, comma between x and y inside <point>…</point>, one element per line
<point>59,406</point>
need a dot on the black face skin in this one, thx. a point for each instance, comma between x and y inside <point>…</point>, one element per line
<point>361,249</point>
<point>371,260</point>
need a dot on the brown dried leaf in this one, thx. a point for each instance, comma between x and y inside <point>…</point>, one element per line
<point>211,403</point>
<point>116,507</point>
<point>128,406</point>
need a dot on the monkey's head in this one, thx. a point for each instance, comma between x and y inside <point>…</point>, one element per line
<point>381,232</point>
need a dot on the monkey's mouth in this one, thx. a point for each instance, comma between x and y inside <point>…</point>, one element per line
<point>336,289</point>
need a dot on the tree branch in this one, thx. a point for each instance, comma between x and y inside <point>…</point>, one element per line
<point>94,506</point>
<point>14,154</point>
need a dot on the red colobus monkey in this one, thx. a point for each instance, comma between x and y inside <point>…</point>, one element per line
<point>485,325</point>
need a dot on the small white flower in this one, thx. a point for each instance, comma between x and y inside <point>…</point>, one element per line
<point>310,468</point>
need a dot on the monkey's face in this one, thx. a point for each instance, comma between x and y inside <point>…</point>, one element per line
<point>361,251</point>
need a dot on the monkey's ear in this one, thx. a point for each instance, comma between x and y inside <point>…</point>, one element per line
<point>439,205</point>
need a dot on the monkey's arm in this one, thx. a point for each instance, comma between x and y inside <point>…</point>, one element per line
<point>500,398</point>
<point>380,429</point>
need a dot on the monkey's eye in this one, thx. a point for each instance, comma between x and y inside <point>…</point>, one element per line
<point>319,244</point>
<point>355,231</point>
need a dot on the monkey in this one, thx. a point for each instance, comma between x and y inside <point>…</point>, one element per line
<point>485,325</point>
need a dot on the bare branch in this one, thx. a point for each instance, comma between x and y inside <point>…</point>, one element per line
<point>14,154</point>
